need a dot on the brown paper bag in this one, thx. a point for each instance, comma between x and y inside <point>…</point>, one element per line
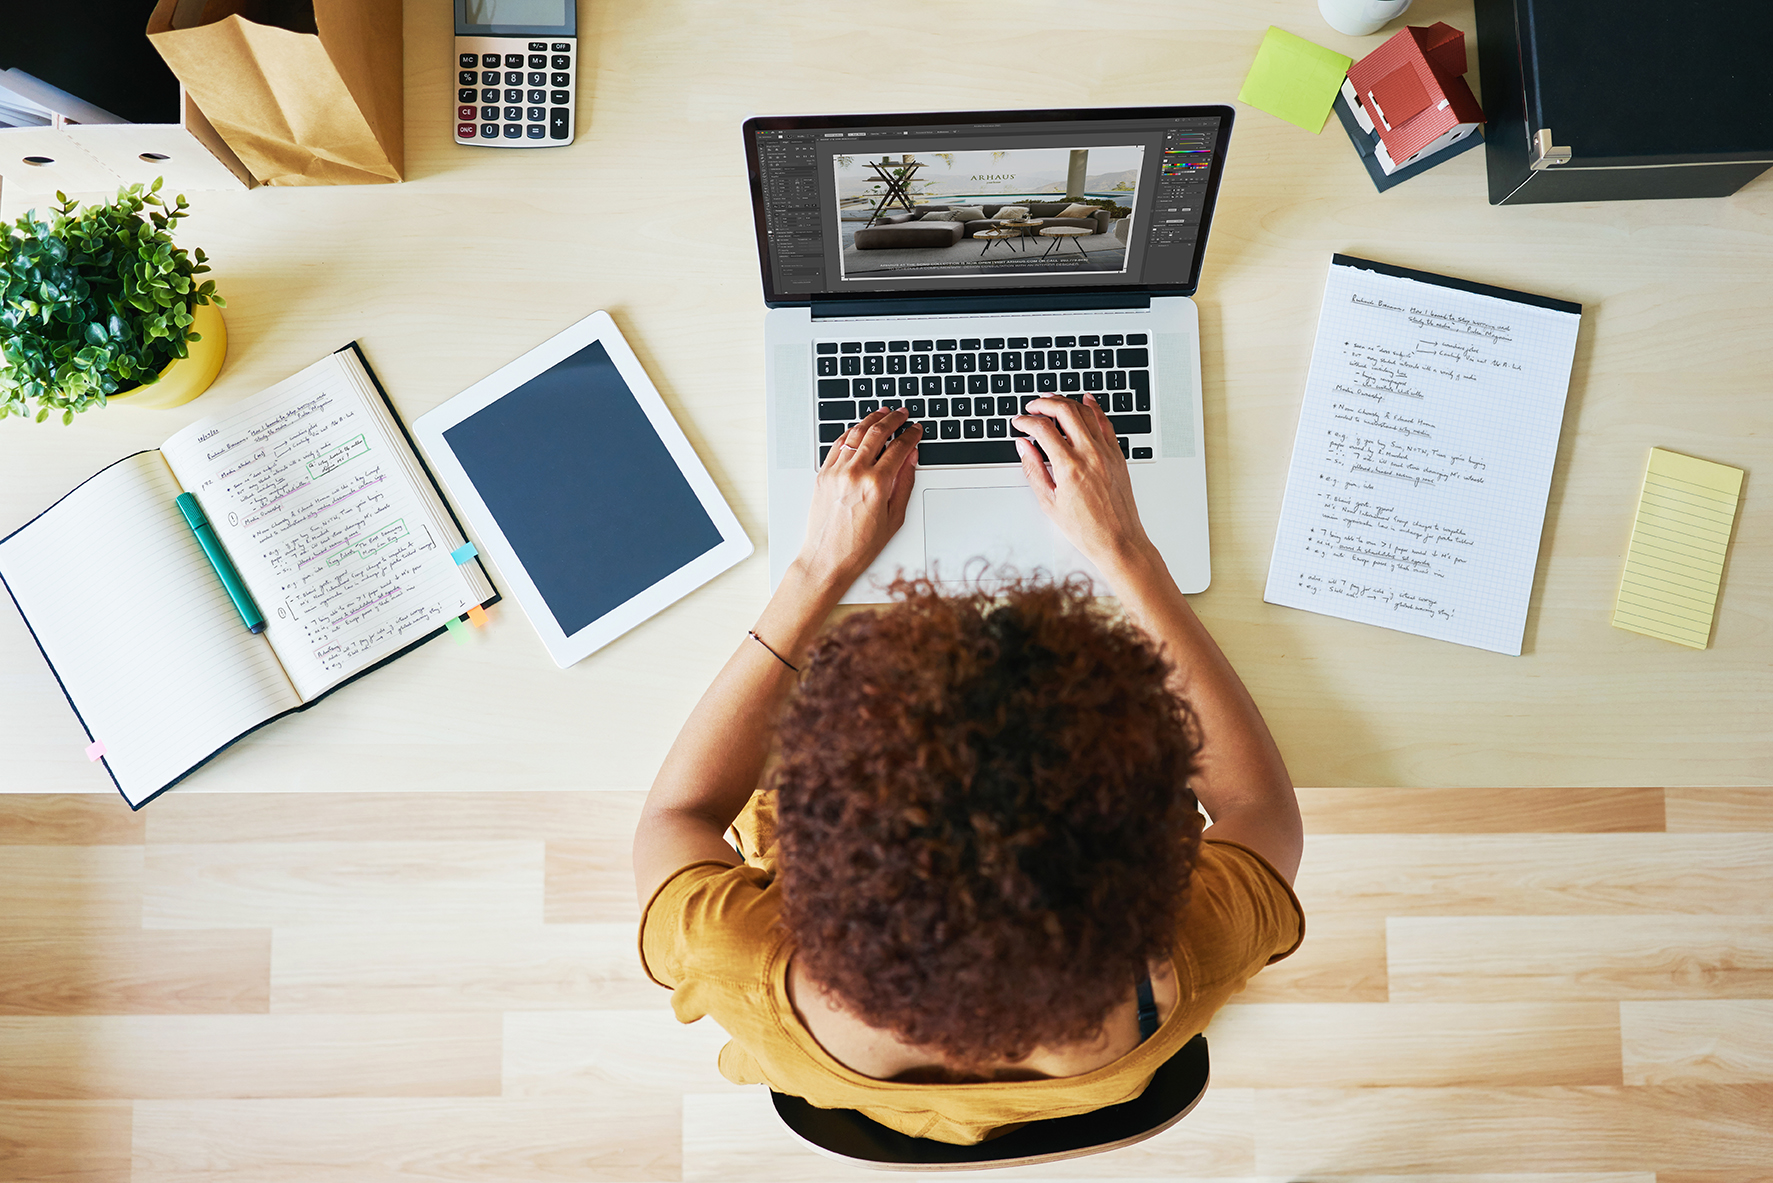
<point>306,92</point>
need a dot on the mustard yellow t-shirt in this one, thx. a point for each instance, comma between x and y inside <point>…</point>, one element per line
<point>711,934</point>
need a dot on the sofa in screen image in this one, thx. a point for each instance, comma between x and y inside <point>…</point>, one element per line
<point>916,228</point>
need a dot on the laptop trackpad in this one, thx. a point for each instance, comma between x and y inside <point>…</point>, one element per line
<point>1002,526</point>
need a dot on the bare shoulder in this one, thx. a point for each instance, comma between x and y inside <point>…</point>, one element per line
<point>881,1055</point>
<point>846,1038</point>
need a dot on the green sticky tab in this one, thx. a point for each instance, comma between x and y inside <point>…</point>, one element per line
<point>457,629</point>
<point>1294,79</point>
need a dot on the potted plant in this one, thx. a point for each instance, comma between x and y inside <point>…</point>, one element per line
<point>98,303</point>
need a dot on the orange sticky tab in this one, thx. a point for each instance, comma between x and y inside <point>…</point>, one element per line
<point>477,614</point>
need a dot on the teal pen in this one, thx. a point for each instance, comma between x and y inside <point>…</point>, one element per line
<point>218,558</point>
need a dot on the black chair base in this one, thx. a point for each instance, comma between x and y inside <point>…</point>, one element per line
<point>1175,1089</point>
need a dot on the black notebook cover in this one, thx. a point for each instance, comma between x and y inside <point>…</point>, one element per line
<point>1463,285</point>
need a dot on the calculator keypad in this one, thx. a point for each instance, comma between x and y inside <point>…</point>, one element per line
<point>515,100</point>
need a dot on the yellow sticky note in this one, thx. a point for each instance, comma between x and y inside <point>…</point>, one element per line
<point>1678,543</point>
<point>1294,79</point>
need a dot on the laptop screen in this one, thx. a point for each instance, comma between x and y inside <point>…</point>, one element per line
<point>882,206</point>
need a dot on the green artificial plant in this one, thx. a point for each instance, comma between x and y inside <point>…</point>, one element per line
<point>95,301</point>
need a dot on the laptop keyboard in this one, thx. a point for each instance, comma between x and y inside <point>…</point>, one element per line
<point>966,390</point>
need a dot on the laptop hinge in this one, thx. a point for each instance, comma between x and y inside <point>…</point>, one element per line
<point>975,305</point>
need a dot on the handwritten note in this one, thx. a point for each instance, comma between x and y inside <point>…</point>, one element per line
<point>1426,438</point>
<point>1678,543</point>
<point>325,516</point>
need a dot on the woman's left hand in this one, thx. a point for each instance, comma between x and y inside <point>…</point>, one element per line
<point>860,497</point>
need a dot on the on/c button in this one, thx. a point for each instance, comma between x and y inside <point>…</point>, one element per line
<point>464,131</point>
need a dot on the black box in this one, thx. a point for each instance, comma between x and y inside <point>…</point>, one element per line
<point>1620,100</point>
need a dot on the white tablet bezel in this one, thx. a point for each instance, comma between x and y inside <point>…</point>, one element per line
<point>565,648</point>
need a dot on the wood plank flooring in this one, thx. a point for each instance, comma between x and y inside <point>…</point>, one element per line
<point>1525,986</point>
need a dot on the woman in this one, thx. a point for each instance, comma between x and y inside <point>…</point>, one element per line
<point>990,870</point>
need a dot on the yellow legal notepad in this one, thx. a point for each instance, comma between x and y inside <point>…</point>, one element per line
<point>1670,586</point>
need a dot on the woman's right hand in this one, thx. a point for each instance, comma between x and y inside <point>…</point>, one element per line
<point>1082,484</point>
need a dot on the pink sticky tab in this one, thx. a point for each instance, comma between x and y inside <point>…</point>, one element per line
<point>478,615</point>
<point>95,750</point>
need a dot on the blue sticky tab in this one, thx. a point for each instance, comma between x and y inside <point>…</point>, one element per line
<point>463,553</point>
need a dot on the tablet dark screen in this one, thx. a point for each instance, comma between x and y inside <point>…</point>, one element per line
<point>583,487</point>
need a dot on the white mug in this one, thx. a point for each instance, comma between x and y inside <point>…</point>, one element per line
<point>1357,18</point>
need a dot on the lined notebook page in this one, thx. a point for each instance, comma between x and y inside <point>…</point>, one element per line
<point>139,628</point>
<point>322,505</point>
<point>1678,543</point>
<point>1427,434</point>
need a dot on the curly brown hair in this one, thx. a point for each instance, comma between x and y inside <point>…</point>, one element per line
<point>984,818</point>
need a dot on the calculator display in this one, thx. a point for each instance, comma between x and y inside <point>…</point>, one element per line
<point>520,17</point>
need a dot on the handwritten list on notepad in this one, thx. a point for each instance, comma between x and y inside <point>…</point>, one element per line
<point>1678,543</point>
<point>1427,434</point>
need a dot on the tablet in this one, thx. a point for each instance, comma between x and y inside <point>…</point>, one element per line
<point>577,482</point>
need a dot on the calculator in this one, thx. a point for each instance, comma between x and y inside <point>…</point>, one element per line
<point>517,72</point>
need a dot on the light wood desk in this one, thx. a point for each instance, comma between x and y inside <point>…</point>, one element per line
<point>482,253</point>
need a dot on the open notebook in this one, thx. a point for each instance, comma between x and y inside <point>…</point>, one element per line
<point>334,525</point>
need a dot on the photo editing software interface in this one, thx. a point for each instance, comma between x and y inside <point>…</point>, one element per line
<point>965,206</point>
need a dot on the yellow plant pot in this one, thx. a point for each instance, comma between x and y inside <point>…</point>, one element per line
<point>184,378</point>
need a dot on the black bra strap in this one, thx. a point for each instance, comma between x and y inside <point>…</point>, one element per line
<point>1147,1010</point>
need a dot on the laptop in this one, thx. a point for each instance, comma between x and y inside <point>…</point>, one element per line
<point>961,264</point>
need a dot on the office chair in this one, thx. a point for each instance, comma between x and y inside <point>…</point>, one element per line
<point>845,1134</point>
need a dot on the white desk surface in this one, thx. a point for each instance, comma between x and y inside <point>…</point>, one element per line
<point>483,253</point>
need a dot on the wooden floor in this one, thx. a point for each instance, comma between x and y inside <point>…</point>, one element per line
<point>1518,985</point>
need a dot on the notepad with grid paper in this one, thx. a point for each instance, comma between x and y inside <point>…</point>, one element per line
<point>1678,543</point>
<point>1423,458</point>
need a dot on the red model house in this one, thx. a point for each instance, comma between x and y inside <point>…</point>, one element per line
<point>1412,92</point>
